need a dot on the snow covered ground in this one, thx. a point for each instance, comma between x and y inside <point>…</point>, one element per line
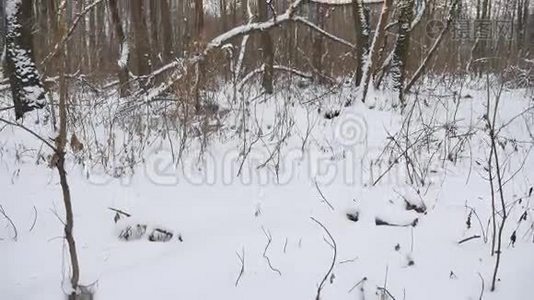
<point>253,236</point>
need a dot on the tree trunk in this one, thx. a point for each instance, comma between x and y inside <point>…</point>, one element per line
<point>59,154</point>
<point>318,43</point>
<point>43,26</point>
<point>141,41</point>
<point>362,38</point>
<point>199,20</point>
<point>420,71</point>
<point>53,33</point>
<point>100,39</point>
<point>522,17</point>
<point>222,4</point>
<point>123,46</point>
<point>267,50</point>
<point>199,38</point>
<point>402,47</point>
<point>93,49</point>
<point>80,42</point>
<point>60,165</point>
<point>166,31</point>
<point>377,42</point>
<point>178,19</point>
<point>26,86</point>
<point>154,33</point>
<point>2,31</point>
<point>479,48</point>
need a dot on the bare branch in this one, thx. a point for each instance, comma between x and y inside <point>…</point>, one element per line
<point>323,32</point>
<point>357,284</point>
<point>242,260</point>
<point>3,212</point>
<point>120,211</point>
<point>34,218</point>
<point>468,239</point>
<point>322,196</point>
<point>31,132</point>
<point>269,240</point>
<point>321,285</point>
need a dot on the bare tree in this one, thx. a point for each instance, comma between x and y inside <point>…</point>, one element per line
<point>58,160</point>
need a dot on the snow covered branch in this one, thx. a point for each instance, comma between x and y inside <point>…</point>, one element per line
<point>290,15</point>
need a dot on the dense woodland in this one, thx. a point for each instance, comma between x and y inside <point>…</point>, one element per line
<point>140,42</point>
<point>115,77</point>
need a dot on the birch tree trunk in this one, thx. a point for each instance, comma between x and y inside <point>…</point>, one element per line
<point>378,40</point>
<point>362,38</point>
<point>123,48</point>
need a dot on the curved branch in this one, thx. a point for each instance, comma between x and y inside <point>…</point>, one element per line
<point>334,246</point>
<point>31,132</point>
<point>303,21</point>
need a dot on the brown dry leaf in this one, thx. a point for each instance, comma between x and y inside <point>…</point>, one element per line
<point>75,144</point>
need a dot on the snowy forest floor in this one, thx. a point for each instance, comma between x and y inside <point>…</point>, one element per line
<point>252,236</point>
